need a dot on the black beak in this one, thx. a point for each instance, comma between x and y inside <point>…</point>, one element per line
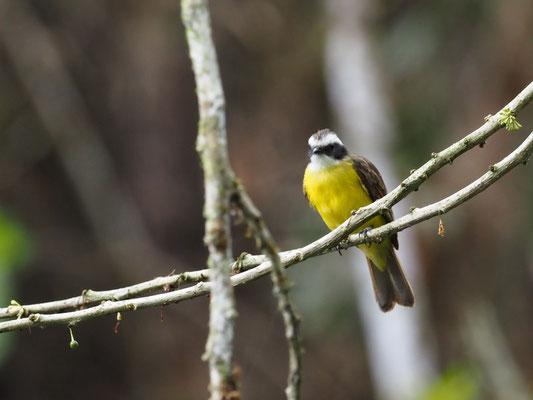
<point>317,150</point>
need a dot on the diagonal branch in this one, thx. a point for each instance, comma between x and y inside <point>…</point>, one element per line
<point>288,258</point>
<point>438,160</point>
<point>265,243</point>
<point>519,156</point>
<point>248,261</point>
<point>220,185</point>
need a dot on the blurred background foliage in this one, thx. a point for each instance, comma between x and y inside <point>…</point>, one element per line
<point>458,382</point>
<point>111,86</point>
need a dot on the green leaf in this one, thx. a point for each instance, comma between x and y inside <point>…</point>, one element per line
<point>508,119</point>
<point>458,383</point>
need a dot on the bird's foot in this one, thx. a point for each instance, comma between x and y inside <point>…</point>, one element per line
<point>343,245</point>
<point>364,234</point>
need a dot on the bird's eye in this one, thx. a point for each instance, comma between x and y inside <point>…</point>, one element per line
<point>329,148</point>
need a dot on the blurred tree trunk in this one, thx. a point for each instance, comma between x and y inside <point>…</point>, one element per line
<point>110,209</point>
<point>488,349</point>
<point>401,360</point>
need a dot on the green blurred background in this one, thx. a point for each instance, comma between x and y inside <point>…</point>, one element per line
<point>100,187</point>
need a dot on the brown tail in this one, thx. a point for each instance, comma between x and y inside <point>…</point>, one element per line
<point>391,286</point>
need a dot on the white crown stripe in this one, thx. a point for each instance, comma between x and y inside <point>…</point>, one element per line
<point>322,139</point>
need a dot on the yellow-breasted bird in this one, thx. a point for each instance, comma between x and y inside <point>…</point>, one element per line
<point>337,183</point>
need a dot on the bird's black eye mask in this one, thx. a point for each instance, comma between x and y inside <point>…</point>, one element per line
<point>333,150</point>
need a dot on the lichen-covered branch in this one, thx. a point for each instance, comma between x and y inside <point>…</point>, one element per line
<point>219,182</point>
<point>212,148</point>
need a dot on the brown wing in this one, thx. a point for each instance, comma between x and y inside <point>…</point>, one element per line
<point>373,182</point>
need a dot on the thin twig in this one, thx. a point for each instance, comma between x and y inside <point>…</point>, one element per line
<point>90,297</point>
<point>265,242</point>
<point>212,148</point>
<point>288,258</point>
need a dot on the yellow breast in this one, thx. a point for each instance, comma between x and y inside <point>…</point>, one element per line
<point>335,191</point>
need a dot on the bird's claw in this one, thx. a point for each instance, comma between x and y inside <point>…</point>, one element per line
<point>342,245</point>
<point>364,234</point>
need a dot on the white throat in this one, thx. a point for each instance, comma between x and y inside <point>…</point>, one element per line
<point>321,161</point>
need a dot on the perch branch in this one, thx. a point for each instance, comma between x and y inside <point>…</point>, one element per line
<point>287,258</point>
<point>248,261</point>
<point>438,160</point>
<point>417,215</point>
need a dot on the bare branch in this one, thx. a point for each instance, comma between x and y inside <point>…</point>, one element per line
<point>219,181</point>
<point>90,297</point>
<point>248,261</point>
<point>218,176</point>
<point>256,266</point>
<point>519,156</point>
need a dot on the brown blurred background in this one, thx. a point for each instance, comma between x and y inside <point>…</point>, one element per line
<point>100,187</point>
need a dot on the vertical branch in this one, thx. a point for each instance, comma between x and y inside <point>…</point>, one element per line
<point>265,242</point>
<point>212,148</point>
<point>220,186</point>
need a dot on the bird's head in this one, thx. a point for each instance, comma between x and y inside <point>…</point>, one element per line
<point>326,149</point>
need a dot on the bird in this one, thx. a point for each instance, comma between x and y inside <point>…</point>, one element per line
<point>336,183</point>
